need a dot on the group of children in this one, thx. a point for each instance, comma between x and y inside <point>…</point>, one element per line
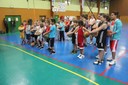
<point>38,33</point>
<point>79,30</point>
<point>102,29</point>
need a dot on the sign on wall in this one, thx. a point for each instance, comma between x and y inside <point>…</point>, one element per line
<point>61,7</point>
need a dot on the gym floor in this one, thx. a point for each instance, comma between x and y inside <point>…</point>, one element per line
<point>26,65</point>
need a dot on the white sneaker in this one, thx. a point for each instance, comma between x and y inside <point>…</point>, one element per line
<point>82,56</point>
<point>108,46</point>
<point>97,56</point>
<point>109,59</point>
<point>91,43</point>
<point>113,62</point>
<point>79,55</point>
<point>105,53</point>
<point>97,62</point>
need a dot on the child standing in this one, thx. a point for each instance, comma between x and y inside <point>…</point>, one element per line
<point>28,33</point>
<point>62,30</point>
<point>52,34</point>
<point>80,38</point>
<point>74,37</point>
<point>47,24</point>
<point>39,32</point>
<point>115,36</point>
<point>101,38</point>
<point>22,35</point>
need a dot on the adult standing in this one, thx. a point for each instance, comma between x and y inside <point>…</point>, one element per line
<point>116,32</point>
<point>6,25</point>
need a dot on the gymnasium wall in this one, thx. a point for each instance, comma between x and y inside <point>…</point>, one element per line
<point>35,8</point>
<point>25,14</point>
<point>121,7</point>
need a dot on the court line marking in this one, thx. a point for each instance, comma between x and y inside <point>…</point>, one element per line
<point>60,67</point>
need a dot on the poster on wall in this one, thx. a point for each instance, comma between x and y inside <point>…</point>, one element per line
<point>61,7</point>
<point>70,17</point>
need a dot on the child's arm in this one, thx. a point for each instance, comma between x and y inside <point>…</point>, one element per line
<point>99,28</point>
<point>48,31</point>
<point>85,29</point>
<point>94,26</point>
<point>70,32</point>
<point>37,32</point>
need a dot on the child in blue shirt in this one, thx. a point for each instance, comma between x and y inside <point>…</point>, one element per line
<point>52,34</point>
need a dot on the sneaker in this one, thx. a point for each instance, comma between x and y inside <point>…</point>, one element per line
<point>102,60</point>
<point>41,47</point>
<point>72,51</point>
<point>82,56</point>
<point>109,59</point>
<point>97,62</point>
<point>49,49</point>
<point>113,62</point>
<point>97,56</point>
<point>108,46</point>
<point>105,53</point>
<point>79,55</point>
<point>75,52</point>
<point>38,46</point>
<point>91,43</point>
<point>94,44</point>
<point>53,51</point>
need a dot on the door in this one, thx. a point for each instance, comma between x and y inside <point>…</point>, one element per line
<point>13,22</point>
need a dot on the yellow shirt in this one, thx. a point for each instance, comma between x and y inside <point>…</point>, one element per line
<point>21,29</point>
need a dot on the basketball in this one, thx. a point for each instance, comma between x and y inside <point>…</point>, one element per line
<point>109,33</point>
<point>86,34</point>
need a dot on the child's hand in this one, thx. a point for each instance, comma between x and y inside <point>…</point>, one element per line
<point>67,33</point>
<point>113,33</point>
<point>43,34</point>
<point>89,31</point>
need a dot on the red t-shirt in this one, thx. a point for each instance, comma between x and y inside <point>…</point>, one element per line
<point>67,23</point>
<point>112,23</point>
<point>47,28</point>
